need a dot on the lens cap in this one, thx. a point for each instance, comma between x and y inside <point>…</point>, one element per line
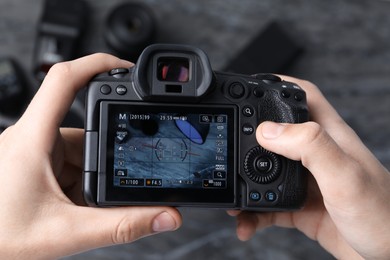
<point>130,27</point>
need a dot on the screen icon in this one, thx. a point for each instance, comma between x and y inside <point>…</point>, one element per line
<point>219,175</point>
<point>120,172</point>
<point>220,119</point>
<point>206,119</point>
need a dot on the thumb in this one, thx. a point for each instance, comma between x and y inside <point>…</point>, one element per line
<point>332,168</point>
<point>99,227</point>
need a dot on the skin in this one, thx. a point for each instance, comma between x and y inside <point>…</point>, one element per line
<point>348,207</point>
<point>41,213</point>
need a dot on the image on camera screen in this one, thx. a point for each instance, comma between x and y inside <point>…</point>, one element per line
<point>169,149</point>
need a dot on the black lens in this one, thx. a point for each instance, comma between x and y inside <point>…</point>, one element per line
<point>173,69</point>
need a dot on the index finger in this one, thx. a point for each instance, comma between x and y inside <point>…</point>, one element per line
<point>48,108</point>
<point>322,112</point>
<point>319,108</point>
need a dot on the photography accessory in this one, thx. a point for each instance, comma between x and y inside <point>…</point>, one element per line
<point>59,32</point>
<point>14,91</point>
<point>130,27</point>
<point>202,151</point>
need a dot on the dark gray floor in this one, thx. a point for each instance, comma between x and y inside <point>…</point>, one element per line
<point>347,53</point>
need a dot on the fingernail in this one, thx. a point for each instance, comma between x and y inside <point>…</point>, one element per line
<point>164,222</point>
<point>271,130</point>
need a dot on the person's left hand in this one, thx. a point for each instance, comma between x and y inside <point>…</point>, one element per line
<point>40,175</point>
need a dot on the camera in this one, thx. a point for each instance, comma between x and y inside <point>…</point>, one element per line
<point>171,131</point>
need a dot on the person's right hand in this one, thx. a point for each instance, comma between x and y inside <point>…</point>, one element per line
<point>348,208</point>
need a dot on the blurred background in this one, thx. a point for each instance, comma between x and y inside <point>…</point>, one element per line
<point>342,46</point>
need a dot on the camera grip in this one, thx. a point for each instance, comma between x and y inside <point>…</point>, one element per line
<point>285,106</point>
<point>282,107</point>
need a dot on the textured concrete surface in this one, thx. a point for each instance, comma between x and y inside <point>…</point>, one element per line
<point>347,54</point>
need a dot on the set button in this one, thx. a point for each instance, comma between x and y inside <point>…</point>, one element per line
<point>263,164</point>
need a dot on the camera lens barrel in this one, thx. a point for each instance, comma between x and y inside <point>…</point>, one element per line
<point>130,27</point>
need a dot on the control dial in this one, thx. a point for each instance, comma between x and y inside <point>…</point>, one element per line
<point>268,78</point>
<point>262,166</point>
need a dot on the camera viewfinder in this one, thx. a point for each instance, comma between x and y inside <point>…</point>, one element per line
<point>173,69</point>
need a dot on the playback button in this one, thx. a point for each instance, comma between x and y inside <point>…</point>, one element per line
<point>254,196</point>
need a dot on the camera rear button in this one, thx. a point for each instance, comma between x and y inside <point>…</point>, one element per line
<point>121,90</point>
<point>105,89</point>
<point>263,164</point>
<point>270,196</point>
<point>236,90</point>
<point>285,94</point>
<point>254,196</point>
<point>258,92</point>
<point>248,111</point>
<point>298,97</point>
<point>248,129</point>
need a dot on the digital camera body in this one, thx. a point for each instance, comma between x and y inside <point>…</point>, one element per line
<point>171,131</point>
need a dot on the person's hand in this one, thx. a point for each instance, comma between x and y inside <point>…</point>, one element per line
<point>348,208</point>
<point>40,175</point>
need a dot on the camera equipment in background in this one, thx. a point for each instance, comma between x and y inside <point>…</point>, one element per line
<point>170,131</point>
<point>130,27</point>
<point>272,50</point>
<point>14,92</point>
<point>59,32</point>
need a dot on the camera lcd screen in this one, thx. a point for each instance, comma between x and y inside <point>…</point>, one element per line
<point>161,152</point>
